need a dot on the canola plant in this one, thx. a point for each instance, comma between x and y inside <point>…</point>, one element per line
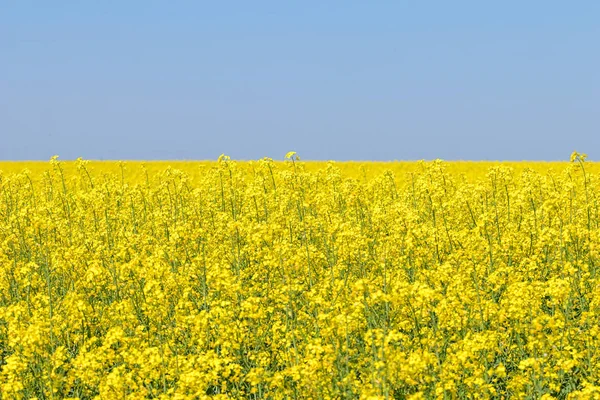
<point>299,280</point>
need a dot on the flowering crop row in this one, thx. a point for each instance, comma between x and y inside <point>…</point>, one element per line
<point>298,280</point>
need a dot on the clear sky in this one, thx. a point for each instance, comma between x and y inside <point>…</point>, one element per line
<point>363,80</point>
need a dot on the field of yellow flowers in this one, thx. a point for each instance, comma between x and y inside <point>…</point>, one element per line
<point>299,280</point>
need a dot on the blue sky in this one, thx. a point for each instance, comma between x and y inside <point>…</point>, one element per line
<point>338,80</point>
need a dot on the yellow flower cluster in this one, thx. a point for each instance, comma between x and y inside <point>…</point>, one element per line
<point>299,280</point>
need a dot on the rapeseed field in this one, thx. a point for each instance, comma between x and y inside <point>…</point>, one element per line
<point>299,280</point>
